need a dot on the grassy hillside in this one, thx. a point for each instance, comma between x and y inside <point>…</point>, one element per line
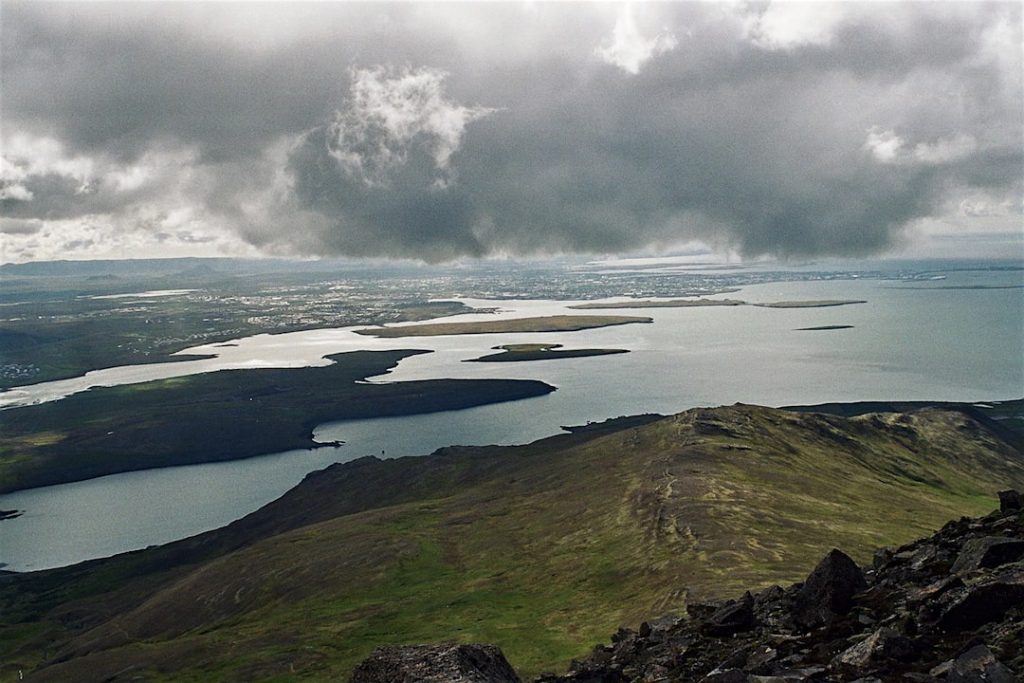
<point>541,549</point>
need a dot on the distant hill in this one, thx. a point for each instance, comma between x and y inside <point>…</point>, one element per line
<point>110,268</point>
<point>197,266</point>
<point>540,549</point>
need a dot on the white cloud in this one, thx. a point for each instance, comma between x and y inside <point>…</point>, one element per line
<point>12,178</point>
<point>884,145</point>
<point>388,111</point>
<point>43,156</point>
<point>945,150</point>
<point>889,148</point>
<point>629,49</point>
<point>784,25</point>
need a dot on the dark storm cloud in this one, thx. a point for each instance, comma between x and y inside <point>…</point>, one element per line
<point>117,87</point>
<point>435,132</point>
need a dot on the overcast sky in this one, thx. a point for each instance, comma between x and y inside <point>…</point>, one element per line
<point>444,131</point>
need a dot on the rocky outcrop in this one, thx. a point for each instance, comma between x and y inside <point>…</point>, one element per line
<point>949,608</point>
<point>945,609</point>
<point>445,663</point>
<point>828,592</point>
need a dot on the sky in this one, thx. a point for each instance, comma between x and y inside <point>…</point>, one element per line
<point>449,131</point>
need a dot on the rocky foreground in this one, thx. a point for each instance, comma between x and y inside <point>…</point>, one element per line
<point>945,608</point>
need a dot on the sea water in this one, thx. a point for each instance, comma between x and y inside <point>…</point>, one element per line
<point>960,338</point>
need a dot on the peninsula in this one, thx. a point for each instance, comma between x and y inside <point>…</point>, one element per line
<point>550,323</point>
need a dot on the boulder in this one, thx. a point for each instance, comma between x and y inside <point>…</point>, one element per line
<point>829,590</point>
<point>983,602</point>
<point>443,663</point>
<point>933,590</point>
<point>732,617</point>
<point>979,665</point>
<point>1011,501</point>
<point>882,646</point>
<point>988,552</point>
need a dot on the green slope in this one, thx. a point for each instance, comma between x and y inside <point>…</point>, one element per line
<point>540,549</point>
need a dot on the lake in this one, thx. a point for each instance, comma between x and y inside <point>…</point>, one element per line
<point>960,339</point>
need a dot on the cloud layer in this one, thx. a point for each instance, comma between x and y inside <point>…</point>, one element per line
<point>441,131</point>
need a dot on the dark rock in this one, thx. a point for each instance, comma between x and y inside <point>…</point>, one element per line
<point>881,558</point>
<point>882,646</point>
<point>622,634</point>
<point>984,602</point>
<point>444,663</point>
<point>979,665</point>
<point>759,659</point>
<point>661,627</point>
<point>829,590</point>
<point>988,552</point>
<point>789,676</point>
<point>730,676</point>
<point>1011,501</point>
<point>934,589</point>
<point>732,617</point>
<point>737,659</point>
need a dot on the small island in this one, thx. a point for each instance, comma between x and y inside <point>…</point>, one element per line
<point>822,303</point>
<point>533,352</point>
<point>667,303</point>
<point>550,323</point>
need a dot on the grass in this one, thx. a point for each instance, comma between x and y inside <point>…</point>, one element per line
<point>551,323</point>
<point>542,549</point>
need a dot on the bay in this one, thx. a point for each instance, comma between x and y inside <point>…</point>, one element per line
<point>957,339</point>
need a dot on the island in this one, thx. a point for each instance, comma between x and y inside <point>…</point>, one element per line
<point>823,327</point>
<point>533,352</point>
<point>667,303</point>
<point>218,416</point>
<point>550,323</point>
<point>821,303</point>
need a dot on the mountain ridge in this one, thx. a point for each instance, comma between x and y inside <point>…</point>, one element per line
<point>578,533</point>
